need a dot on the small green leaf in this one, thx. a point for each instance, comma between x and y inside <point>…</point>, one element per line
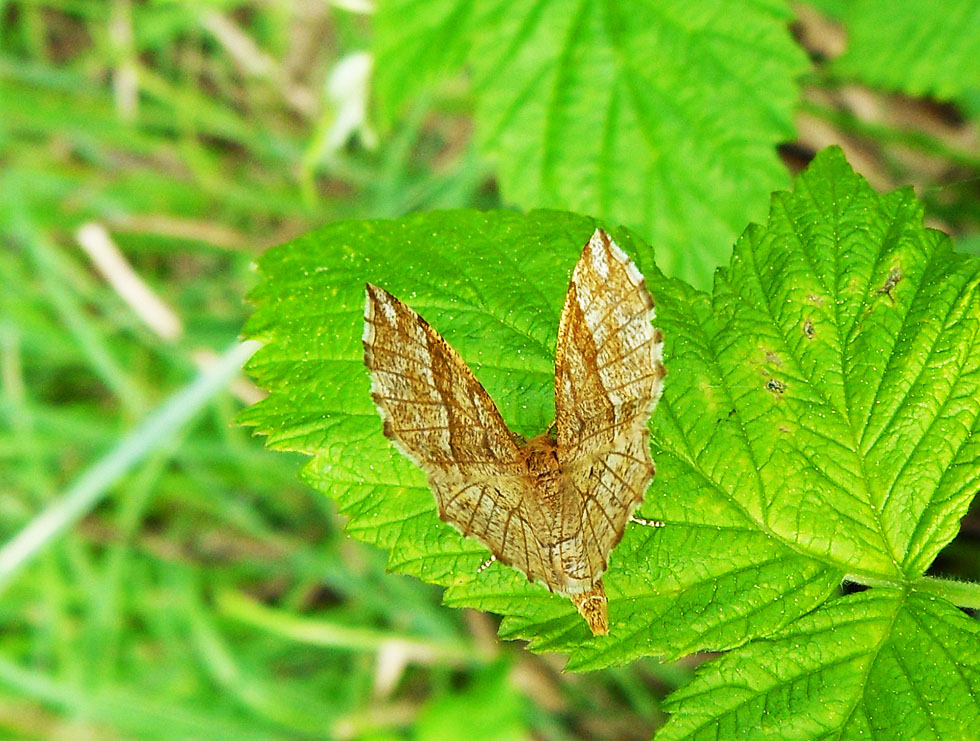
<point>920,47</point>
<point>880,664</point>
<point>645,114</point>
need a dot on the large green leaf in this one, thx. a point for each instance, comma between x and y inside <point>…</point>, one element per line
<point>660,115</point>
<point>818,419</point>
<point>840,360</point>
<point>881,664</point>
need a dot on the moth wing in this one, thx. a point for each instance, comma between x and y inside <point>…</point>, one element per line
<point>608,377</point>
<point>439,415</point>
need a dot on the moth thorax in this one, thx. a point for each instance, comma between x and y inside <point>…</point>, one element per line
<point>541,457</point>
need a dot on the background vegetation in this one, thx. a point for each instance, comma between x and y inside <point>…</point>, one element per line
<point>207,593</point>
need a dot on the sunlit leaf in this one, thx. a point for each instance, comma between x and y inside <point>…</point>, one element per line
<point>818,419</point>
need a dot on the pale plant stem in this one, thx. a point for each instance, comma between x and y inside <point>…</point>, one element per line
<point>159,427</point>
<point>95,239</point>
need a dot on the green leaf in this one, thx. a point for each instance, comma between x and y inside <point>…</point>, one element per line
<point>493,284</point>
<point>880,664</point>
<point>850,360</point>
<point>646,114</point>
<point>919,47</point>
<point>818,419</point>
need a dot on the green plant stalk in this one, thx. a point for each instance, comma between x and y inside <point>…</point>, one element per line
<point>93,484</point>
<point>960,593</point>
<point>221,663</point>
<point>325,633</point>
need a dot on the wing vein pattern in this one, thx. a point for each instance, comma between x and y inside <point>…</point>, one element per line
<point>571,495</point>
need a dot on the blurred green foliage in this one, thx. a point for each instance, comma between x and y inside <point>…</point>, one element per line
<point>211,594</point>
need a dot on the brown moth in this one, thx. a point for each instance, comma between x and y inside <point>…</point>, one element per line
<point>551,507</point>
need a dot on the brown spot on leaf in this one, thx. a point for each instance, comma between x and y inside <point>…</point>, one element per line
<point>894,276</point>
<point>775,386</point>
<point>808,329</point>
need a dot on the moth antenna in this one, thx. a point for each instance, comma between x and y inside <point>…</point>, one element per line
<point>647,523</point>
